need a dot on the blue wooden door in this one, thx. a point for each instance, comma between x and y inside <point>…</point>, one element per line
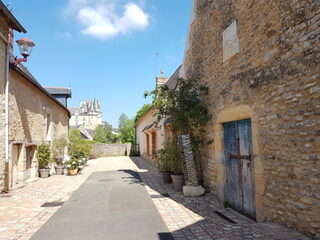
<point>239,189</point>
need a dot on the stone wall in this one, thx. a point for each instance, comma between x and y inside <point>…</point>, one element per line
<point>28,124</point>
<point>110,150</point>
<point>274,79</point>
<point>4,31</point>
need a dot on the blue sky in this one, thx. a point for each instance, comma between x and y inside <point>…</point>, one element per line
<point>104,49</point>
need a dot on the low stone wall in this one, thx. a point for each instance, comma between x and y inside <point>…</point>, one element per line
<point>110,150</point>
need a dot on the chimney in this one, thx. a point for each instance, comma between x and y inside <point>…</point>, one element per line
<point>162,79</point>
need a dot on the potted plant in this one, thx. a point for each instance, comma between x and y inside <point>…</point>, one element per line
<point>80,157</point>
<point>72,166</point>
<point>175,164</point>
<point>163,164</point>
<point>58,150</point>
<point>43,156</point>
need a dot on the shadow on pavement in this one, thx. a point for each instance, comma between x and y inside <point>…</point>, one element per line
<point>215,221</point>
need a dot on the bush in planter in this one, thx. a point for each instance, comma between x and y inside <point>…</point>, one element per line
<point>79,157</point>
<point>58,150</point>
<point>175,164</point>
<point>72,166</point>
<point>44,159</point>
<point>169,160</point>
<point>162,163</point>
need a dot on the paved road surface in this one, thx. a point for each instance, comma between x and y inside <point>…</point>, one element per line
<point>111,204</point>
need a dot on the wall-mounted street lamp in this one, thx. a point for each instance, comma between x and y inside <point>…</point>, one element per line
<point>25,47</point>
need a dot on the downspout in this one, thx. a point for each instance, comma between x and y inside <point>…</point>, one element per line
<point>6,186</point>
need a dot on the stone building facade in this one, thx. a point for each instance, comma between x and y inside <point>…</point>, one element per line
<point>33,121</point>
<point>88,115</point>
<point>260,60</point>
<point>35,116</point>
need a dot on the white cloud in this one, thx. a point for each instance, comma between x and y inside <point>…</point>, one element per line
<point>101,20</point>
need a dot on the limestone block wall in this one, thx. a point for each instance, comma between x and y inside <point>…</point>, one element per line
<point>4,31</point>
<point>29,120</point>
<point>28,113</point>
<point>110,150</point>
<point>274,79</point>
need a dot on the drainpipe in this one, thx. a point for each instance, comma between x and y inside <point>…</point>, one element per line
<point>6,186</point>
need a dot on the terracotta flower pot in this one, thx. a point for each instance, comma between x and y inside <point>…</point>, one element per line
<point>59,170</point>
<point>72,172</point>
<point>166,178</point>
<point>44,172</point>
<point>178,182</point>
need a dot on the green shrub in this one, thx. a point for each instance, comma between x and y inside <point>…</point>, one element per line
<point>168,158</point>
<point>72,164</point>
<point>43,155</point>
<point>78,145</point>
<point>58,149</point>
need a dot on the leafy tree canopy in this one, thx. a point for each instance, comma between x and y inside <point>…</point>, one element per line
<point>104,134</point>
<point>77,144</point>
<point>186,105</point>
<point>126,129</point>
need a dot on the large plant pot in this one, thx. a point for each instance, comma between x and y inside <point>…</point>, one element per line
<point>73,172</point>
<point>59,170</point>
<point>178,182</point>
<point>44,172</point>
<point>166,177</point>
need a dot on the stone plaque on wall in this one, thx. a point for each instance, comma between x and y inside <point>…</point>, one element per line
<point>230,40</point>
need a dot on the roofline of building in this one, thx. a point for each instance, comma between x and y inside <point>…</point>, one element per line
<point>30,78</point>
<point>58,87</point>
<point>145,113</point>
<point>69,94</point>
<point>13,22</point>
<point>176,72</point>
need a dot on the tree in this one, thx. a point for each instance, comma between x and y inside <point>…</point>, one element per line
<point>79,145</point>
<point>188,109</point>
<point>142,111</point>
<point>104,134</point>
<point>74,134</point>
<point>186,106</point>
<point>126,129</point>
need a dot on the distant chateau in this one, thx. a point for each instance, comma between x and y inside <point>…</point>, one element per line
<point>88,115</point>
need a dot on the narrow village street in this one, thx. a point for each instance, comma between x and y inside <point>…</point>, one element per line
<point>130,120</point>
<point>122,198</point>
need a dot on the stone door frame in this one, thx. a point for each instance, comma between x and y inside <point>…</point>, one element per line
<point>230,114</point>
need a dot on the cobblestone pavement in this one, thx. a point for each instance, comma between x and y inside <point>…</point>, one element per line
<point>195,218</point>
<point>25,210</point>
